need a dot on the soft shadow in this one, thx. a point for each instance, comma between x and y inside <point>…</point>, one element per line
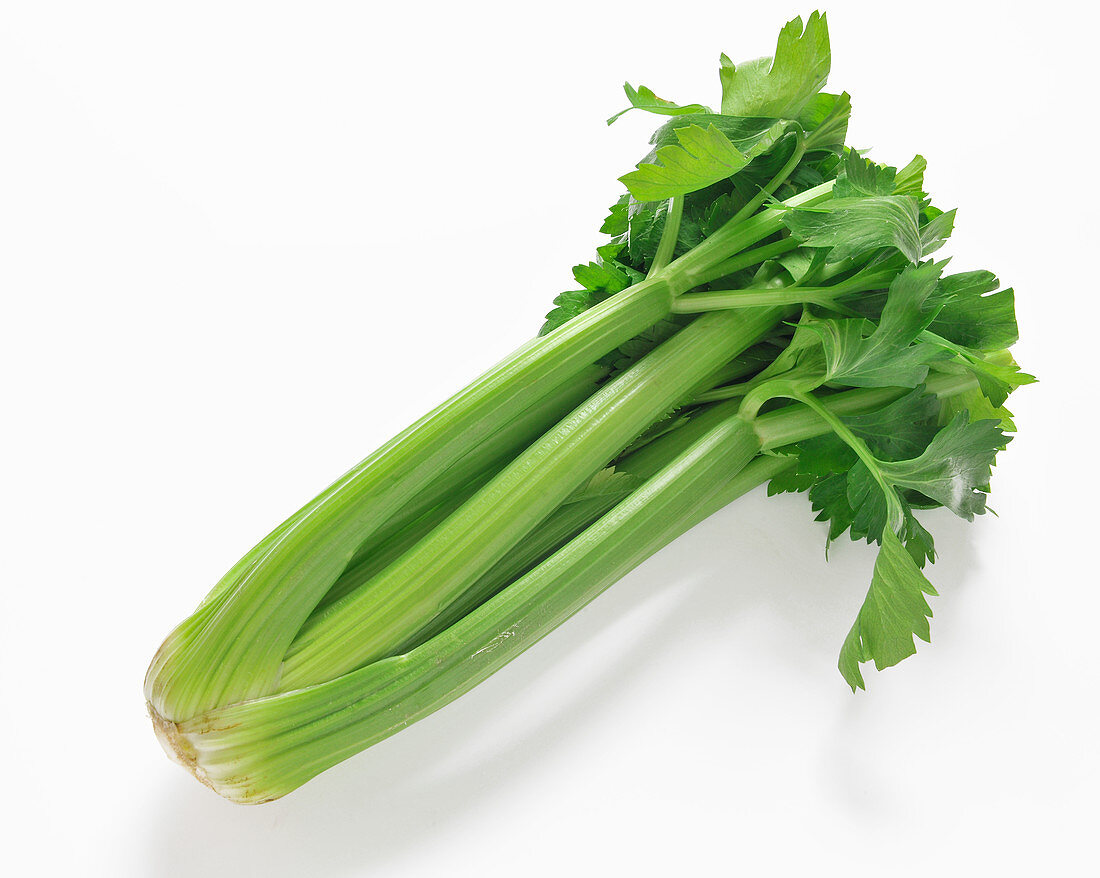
<point>371,811</point>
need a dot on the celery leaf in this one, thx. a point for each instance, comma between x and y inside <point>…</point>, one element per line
<point>886,357</point>
<point>700,155</point>
<point>782,85</point>
<point>974,313</point>
<point>955,468</point>
<point>643,98</point>
<point>893,613</point>
<point>853,226</point>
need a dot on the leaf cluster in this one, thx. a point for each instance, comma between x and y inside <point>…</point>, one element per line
<point>870,475</point>
<point>876,312</point>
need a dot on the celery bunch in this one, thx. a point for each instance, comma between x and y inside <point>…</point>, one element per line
<point>763,311</point>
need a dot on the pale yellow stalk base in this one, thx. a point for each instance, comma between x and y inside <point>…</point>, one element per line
<point>176,745</point>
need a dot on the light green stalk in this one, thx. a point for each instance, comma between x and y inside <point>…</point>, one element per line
<point>264,748</point>
<point>373,622</point>
<point>233,648</point>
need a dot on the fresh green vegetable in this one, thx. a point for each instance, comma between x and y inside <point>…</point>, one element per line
<point>763,311</point>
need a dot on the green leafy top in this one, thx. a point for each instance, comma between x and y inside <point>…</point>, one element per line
<point>876,313</point>
<point>763,102</point>
<point>874,471</point>
<point>784,86</point>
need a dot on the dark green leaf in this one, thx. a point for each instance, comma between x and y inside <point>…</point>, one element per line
<point>829,498</point>
<point>861,177</point>
<point>824,455</point>
<point>973,314</point>
<point>645,222</point>
<point>789,481</point>
<point>569,304</point>
<point>871,511</point>
<point>900,430</point>
<point>954,470</point>
<point>918,541</point>
<point>894,611</point>
<point>886,357</point>
<point>615,224</point>
<point>600,277</point>
<point>853,226</point>
<point>610,252</point>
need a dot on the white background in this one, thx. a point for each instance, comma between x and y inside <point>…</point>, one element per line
<point>243,244</point>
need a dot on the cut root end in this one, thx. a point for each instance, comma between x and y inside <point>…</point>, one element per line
<point>182,750</point>
<point>177,747</point>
